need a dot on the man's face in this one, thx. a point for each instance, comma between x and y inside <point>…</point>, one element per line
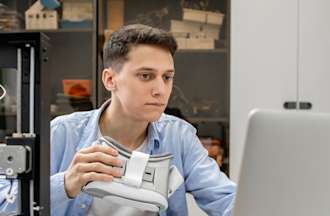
<point>144,84</point>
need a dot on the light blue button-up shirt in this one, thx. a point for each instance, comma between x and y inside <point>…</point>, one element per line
<point>212,190</point>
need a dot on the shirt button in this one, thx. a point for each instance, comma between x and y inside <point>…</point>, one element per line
<point>83,206</point>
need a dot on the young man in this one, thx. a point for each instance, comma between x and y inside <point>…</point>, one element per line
<point>139,71</point>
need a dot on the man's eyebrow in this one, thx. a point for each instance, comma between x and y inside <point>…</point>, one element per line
<point>152,69</point>
<point>145,69</point>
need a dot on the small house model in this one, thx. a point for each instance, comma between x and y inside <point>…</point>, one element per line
<point>38,16</point>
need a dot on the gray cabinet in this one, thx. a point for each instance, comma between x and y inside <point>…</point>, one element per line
<point>279,59</point>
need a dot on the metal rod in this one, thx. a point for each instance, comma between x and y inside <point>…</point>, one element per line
<point>19,198</point>
<point>32,75</point>
<point>31,198</point>
<point>19,92</point>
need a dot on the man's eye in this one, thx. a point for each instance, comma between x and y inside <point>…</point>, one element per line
<point>168,78</point>
<point>145,76</point>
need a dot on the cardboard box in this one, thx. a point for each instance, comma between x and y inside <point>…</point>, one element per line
<point>38,17</point>
<point>203,16</point>
<point>195,43</point>
<point>195,29</point>
<point>189,35</point>
<point>214,18</point>
<point>77,10</point>
<point>185,26</point>
<point>194,15</point>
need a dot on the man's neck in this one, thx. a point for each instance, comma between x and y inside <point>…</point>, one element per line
<point>126,131</point>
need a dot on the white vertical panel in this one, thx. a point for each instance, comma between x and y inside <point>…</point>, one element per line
<point>314,76</point>
<point>263,63</point>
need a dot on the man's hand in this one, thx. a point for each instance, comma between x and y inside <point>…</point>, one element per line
<point>91,164</point>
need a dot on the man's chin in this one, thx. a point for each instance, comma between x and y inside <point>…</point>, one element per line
<point>156,118</point>
<point>153,117</point>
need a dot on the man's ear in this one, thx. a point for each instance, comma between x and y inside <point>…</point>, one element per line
<point>108,79</point>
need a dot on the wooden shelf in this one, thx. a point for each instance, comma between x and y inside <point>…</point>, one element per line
<point>72,30</point>
<point>7,114</point>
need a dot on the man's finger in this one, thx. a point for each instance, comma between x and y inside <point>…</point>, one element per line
<point>99,148</point>
<point>99,168</point>
<point>97,157</point>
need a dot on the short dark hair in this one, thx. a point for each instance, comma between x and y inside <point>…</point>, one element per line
<point>117,47</point>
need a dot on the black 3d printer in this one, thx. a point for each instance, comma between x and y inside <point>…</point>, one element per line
<point>24,154</point>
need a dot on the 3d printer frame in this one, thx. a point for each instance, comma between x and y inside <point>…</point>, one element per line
<point>25,155</point>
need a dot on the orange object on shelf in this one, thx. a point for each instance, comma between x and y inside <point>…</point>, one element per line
<point>77,87</point>
<point>214,148</point>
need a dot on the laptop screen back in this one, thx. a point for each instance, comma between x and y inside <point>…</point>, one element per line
<point>286,165</point>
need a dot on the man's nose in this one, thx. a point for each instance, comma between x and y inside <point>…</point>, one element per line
<point>158,88</point>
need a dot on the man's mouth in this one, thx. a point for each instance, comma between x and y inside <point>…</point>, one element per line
<point>156,104</point>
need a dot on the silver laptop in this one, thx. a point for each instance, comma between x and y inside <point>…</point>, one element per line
<point>286,165</point>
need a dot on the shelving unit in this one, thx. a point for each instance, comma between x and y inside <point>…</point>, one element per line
<point>73,53</point>
<point>62,30</point>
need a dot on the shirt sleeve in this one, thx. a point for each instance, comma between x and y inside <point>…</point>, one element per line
<point>212,190</point>
<point>59,198</point>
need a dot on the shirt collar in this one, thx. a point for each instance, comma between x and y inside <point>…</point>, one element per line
<point>153,137</point>
<point>90,133</point>
<point>91,130</point>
